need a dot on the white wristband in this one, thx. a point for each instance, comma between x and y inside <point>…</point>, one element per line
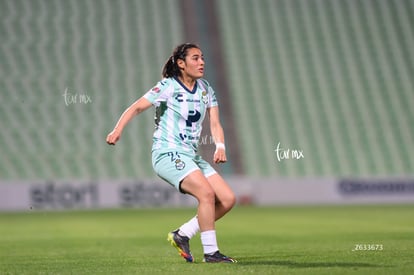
<point>220,145</point>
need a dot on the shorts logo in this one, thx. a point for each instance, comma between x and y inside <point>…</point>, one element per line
<point>204,97</point>
<point>175,157</point>
<point>179,164</point>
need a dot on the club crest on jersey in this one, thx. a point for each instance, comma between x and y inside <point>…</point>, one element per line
<point>179,164</point>
<point>204,97</point>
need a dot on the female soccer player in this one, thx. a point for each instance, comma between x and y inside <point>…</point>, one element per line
<point>182,99</point>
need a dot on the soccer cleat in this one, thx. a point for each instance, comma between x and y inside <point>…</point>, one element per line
<point>217,257</point>
<point>182,245</point>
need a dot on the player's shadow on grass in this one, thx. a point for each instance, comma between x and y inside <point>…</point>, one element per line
<point>293,264</point>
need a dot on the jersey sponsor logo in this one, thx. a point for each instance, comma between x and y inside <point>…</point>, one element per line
<point>193,100</point>
<point>184,137</point>
<point>179,97</point>
<point>193,116</point>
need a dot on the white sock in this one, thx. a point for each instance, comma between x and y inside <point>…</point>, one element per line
<point>190,228</point>
<point>209,241</point>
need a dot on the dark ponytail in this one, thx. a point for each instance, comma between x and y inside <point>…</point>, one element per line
<point>171,68</point>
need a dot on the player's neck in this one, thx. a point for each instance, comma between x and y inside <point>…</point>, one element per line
<point>188,82</point>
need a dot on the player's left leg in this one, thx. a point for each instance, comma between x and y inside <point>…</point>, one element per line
<point>224,202</point>
<point>225,198</point>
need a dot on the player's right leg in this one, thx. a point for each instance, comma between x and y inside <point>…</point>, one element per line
<point>179,169</point>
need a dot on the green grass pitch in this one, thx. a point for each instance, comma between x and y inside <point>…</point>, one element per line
<point>264,240</point>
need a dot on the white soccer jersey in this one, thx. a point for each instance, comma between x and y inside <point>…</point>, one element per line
<point>179,113</point>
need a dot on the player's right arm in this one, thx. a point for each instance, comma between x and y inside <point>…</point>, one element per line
<point>154,96</point>
<point>136,108</point>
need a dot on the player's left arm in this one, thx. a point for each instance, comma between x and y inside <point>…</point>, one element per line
<point>218,135</point>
